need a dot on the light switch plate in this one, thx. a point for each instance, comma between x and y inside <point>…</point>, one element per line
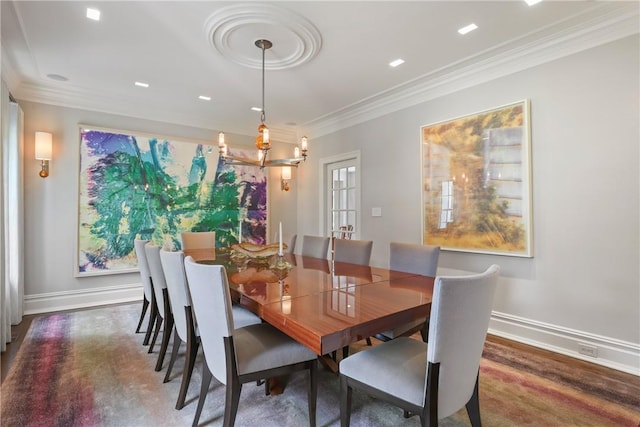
<point>376,211</point>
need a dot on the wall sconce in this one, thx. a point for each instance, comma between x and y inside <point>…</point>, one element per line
<point>44,148</point>
<point>285,176</point>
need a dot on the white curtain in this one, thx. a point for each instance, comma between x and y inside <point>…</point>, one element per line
<point>11,217</point>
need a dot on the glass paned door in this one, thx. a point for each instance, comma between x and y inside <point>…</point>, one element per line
<point>343,196</point>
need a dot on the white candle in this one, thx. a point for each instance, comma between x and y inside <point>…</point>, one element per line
<point>240,232</point>
<point>280,240</point>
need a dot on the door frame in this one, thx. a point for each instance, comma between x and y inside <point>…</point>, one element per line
<point>323,190</point>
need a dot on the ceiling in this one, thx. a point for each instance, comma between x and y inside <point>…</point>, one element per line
<point>328,66</point>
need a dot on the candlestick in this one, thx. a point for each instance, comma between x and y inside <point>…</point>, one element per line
<point>280,240</point>
<point>240,232</point>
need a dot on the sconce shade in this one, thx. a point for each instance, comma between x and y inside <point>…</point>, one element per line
<point>286,172</point>
<point>44,145</point>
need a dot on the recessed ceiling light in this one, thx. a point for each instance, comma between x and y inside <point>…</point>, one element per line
<point>532,2</point>
<point>93,14</point>
<point>467,29</point>
<point>204,98</point>
<point>256,109</point>
<point>141,84</point>
<point>396,63</point>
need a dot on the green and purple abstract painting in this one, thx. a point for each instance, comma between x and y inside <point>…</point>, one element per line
<point>146,187</point>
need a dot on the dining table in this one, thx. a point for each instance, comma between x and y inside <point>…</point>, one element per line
<point>320,303</point>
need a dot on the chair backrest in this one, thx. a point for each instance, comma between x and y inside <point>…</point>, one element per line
<point>176,278</point>
<point>352,251</point>
<point>412,258</point>
<point>315,246</point>
<point>458,325</point>
<point>212,308</point>
<point>157,275</point>
<point>292,244</point>
<point>198,240</point>
<point>145,275</point>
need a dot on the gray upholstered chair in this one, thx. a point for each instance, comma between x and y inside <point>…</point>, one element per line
<point>437,379</point>
<point>198,240</point>
<point>416,259</point>
<point>185,328</point>
<point>315,246</point>
<point>149,298</point>
<point>352,251</point>
<point>237,356</point>
<point>165,317</point>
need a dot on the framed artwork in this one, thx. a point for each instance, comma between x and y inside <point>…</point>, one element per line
<point>152,187</point>
<point>476,182</point>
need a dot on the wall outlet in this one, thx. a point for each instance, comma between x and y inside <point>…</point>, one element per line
<point>588,349</point>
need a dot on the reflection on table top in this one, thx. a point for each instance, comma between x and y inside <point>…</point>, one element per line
<point>322,304</point>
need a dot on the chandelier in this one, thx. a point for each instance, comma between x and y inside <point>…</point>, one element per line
<point>263,142</point>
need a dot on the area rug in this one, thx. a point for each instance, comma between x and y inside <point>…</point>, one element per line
<point>89,368</point>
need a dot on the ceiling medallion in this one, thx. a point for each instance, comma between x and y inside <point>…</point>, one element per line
<point>230,29</point>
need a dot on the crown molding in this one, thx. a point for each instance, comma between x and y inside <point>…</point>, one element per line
<point>600,28</point>
<point>7,70</point>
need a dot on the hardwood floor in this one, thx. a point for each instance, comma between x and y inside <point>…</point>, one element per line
<point>17,336</point>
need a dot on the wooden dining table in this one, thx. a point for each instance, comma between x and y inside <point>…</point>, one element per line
<point>322,304</point>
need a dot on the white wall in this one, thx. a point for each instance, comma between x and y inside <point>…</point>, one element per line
<point>583,283</point>
<point>51,207</point>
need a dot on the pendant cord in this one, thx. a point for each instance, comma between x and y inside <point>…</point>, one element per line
<point>262,115</point>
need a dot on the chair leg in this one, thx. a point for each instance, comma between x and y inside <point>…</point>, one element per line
<point>382,338</point>
<point>174,354</point>
<point>153,315</point>
<point>424,332</point>
<point>473,407</point>
<point>192,352</point>
<point>204,389</point>
<point>345,402</point>
<point>145,305</point>
<point>168,327</point>
<point>313,392</point>
<point>234,387</point>
<point>369,341</point>
<point>159,321</point>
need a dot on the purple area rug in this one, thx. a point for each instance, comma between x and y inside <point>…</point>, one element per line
<point>88,368</point>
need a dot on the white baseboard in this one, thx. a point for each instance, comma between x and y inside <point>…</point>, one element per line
<point>616,354</point>
<point>70,300</point>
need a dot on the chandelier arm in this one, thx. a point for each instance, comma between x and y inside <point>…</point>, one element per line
<point>234,160</point>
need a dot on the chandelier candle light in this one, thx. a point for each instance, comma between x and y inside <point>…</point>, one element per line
<point>263,141</point>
